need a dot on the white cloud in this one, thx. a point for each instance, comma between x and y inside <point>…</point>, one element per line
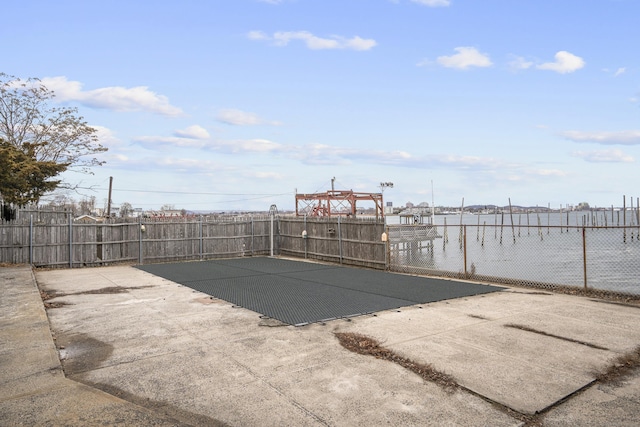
<point>324,154</point>
<point>565,63</point>
<point>187,165</point>
<point>465,58</point>
<point>547,172</point>
<point>106,137</point>
<point>620,71</point>
<point>629,137</point>
<point>282,38</point>
<point>358,43</point>
<point>165,142</point>
<point>467,162</point>
<point>223,146</point>
<point>433,3</point>
<point>257,35</point>
<point>604,156</point>
<point>242,118</point>
<point>64,89</point>
<point>249,146</point>
<point>193,132</point>
<point>519,63</point>
<point>267,175</point>
<point>116,98</point>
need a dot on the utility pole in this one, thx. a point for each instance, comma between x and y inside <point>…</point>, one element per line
<point>109,199</point>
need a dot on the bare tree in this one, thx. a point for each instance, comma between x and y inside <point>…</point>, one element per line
<point>125,209</point>
<point>87,205</point>
<point>44,133</point>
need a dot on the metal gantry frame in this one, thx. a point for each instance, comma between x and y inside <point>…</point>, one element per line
<point>336,203</point>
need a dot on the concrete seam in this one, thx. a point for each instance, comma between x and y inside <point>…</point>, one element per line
<point>280,392</point>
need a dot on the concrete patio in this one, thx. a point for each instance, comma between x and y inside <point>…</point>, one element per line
<point>121,346</point>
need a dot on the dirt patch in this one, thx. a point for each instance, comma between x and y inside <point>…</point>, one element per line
<point>597,293</point>
<point>52,293</point>
<point>47,296</point>
<point>620,368</point>
<point>54,304</point>
<point>529,293</point>
<point>362,344</point>
<point>535,331</point>
<point>110,290</point>
<point>271,323</point>
<point>475,316</point>
<point>207,300</point>
<point>80,352</point>
<point>633,304</point>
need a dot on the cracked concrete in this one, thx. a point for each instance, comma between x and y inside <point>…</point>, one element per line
<point>162,354</point>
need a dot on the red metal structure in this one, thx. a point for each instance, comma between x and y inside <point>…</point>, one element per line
<point>336,202</point>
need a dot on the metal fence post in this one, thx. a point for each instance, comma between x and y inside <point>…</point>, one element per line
<point>584,255</point>
<point>271,234</point>
<point>31,240</point>
<point>464,245</point>
<point>140,231</point>
<point>305,236</point>
<point>340,239</point>
<point>200,237</point>
<point>387,249</point>
<point>253,233</point>
<point>70,241</point>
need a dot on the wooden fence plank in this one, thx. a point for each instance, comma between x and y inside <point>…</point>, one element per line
<point>329,239</point>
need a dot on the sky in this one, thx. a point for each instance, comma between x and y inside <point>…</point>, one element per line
<point>240,104</point>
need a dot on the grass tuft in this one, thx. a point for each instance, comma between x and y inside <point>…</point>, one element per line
<point>621,367</point>
<point>362,344</point>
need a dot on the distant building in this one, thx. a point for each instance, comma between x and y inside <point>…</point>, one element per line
<point>388,209</point>
<point>88,219</point>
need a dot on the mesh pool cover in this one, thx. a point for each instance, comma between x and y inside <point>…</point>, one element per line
<point>298,293</point>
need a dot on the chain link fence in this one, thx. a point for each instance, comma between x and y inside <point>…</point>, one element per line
<point>594,258</point>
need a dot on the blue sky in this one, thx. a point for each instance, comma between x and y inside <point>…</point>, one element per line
<point>238,104</point>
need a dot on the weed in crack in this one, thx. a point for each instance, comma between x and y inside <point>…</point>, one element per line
<point>621,367</point>
<point>362,344</point>
<point>475,316</point>
<point>45,296</point>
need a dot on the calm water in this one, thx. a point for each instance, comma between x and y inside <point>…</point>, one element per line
<point>538,247</point>
<point>575,218</point>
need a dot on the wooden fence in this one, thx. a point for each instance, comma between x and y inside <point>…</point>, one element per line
<point>352,241</point>
<point>75,244</point>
